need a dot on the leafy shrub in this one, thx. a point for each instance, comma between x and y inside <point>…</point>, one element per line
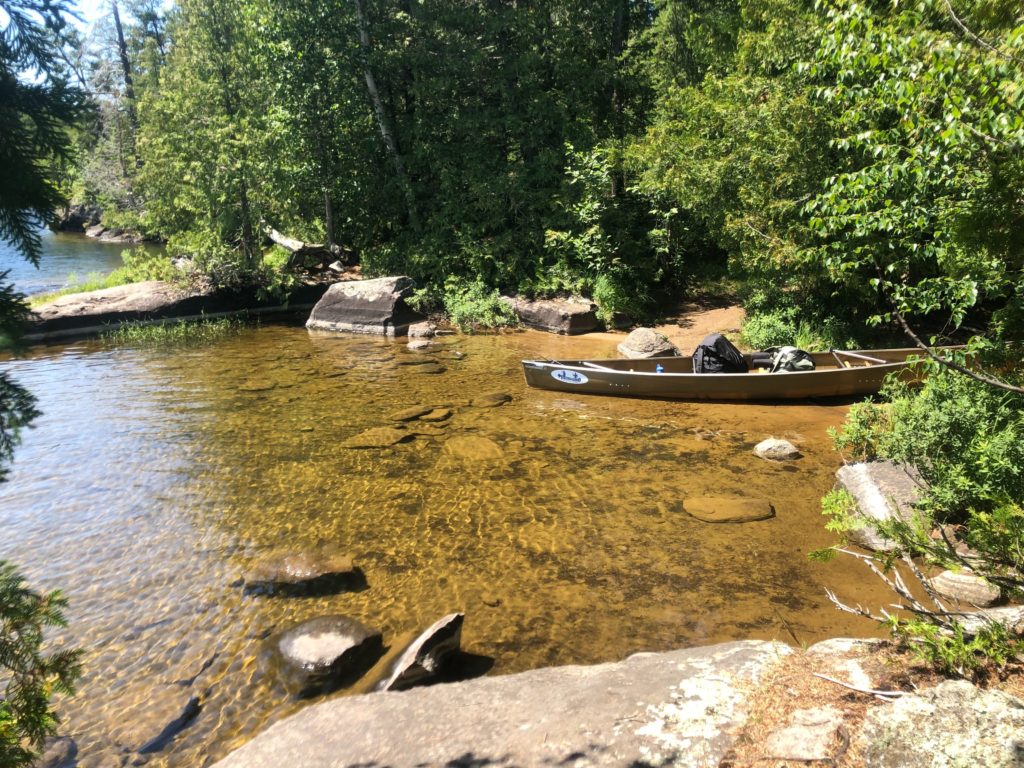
<point>954,652</point>
<point>770,329</point>
<point>32,677</point>
<point>471,305</point>
<point>965,437</point>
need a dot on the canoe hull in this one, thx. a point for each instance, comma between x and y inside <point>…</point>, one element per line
<point>639,378</point>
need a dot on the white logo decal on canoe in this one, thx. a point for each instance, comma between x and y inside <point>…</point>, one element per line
<point>569,377</point>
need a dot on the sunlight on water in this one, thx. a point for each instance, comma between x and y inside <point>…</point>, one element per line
<point>154,478</point>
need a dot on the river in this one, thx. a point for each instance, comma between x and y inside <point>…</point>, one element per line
<point>66,258</point>
<point>155,477</point>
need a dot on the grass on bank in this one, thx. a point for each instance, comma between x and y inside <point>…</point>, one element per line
<point>139,265</point>
<point>178,332</point>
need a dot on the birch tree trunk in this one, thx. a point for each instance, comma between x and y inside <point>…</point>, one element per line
<point>383,121</point>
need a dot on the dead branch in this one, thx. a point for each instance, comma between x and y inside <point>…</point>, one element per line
<point>883,695</point>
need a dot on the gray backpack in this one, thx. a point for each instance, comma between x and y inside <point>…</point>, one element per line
<point>790,359</point>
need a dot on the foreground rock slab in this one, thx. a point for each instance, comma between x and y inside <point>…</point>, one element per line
<point>882,491</point>
<point>646,342</point>
<point>565,316</point>
<point>366,306</point>
<point>679,708</point>
<point>953,724</point>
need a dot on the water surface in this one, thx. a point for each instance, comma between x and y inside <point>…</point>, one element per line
<point>67,258</point>
<point>155,477</point>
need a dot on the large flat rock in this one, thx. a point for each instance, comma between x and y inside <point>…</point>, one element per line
<point>366,306</point>
<point>669,709</point>
<point>91,312</point>
<point>565,316</point>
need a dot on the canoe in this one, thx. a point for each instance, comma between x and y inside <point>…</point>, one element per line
<point>837,374</point>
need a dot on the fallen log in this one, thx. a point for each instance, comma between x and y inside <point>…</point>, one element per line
<point>301,250</point>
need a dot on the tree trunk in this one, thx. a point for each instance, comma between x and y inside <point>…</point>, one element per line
<point>329,219</point>
<point>129,83</point>
<point>620,33</point>
<point>383,122</point>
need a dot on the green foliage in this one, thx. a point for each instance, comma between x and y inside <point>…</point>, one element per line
<point>954,652</point>
<point>472,305</point>
<point>35,114</point>
<point>177,333</point>
<point>31,676</point>
<point>965,437</point>
<point>931,127</point>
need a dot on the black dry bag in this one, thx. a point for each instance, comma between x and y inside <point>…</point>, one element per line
<point>716,354</point>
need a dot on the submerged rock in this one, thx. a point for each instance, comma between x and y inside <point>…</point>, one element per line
<point>377,437</point>
<point>952,724</point>
<point>728,509</point>
<point>425,656</point>
<point>325,653</point>
<point>58,753</point>
<point>409,414</point>
<point>646,342</point>
<point>167,711</point>
<point>438,414</point>
<point>491,399</point>
<point>882,491</point>
<point>366,306</point>
<point>422,345</point>
<point>319,571</point>
<point>429,368</point>
<point>965,586</point>
<point>565,316</point>
<point>774,449</point>
<point>473,448</point>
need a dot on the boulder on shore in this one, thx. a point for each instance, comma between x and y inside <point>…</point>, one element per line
<point>366,306</point>
<point>646,342</point>
<point>80,314</point>
<point>953,723</point>
<point>75,218</point>
<point>425,656</point>
<point>882,491</point>
<point>565,316</point>
<point>965,587</point>
<point>325,653</point>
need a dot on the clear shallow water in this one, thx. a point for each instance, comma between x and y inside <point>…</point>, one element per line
<point>155,477</point>
<point>65,256</point>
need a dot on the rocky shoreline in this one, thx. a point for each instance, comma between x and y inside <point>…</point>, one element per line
<point>733,704</point>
